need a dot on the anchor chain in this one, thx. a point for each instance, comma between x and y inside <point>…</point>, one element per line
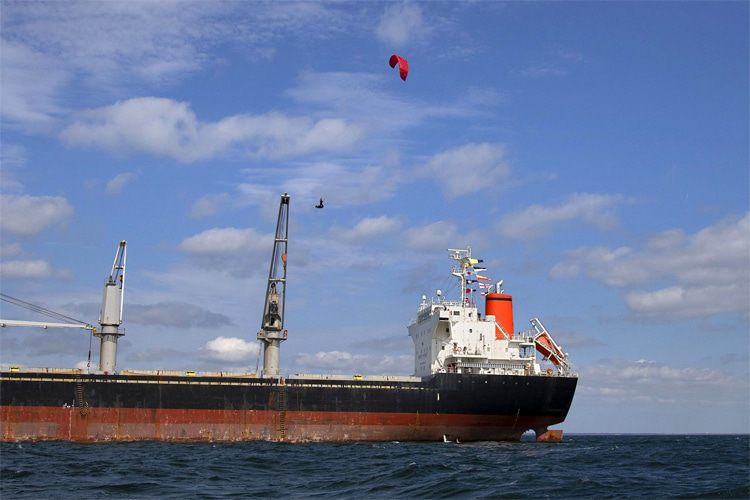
<point>281,406</point>
<point>83,406</point>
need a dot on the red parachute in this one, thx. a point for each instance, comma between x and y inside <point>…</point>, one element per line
<point>403,66</point>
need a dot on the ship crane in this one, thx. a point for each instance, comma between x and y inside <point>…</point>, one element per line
<point>272,331</point>
<point>109,319</point>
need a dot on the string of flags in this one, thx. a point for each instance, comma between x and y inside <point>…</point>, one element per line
<point>477,261</point>
<point>472,268</point>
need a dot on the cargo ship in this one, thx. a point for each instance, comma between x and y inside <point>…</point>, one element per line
<point>475,379</point>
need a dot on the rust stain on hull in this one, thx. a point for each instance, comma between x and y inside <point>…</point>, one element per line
<point>19,423</point>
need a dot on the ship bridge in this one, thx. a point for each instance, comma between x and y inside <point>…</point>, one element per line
<point>452,337</point>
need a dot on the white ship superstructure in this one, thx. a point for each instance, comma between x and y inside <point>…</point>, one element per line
<point>453,337</point>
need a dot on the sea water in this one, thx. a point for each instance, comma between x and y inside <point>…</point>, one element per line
<point>582,466</point>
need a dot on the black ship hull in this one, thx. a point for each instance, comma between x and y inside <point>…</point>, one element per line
<point>95,408</point>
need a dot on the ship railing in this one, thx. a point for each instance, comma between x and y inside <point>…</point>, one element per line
<point>337,377</point>
<point>26,369</point>
<point>527,336</point>
<point>429,304</point>
<point>458,353</point>
<point>187,373</point>
<point>503,366</point>
<point>492,368</point>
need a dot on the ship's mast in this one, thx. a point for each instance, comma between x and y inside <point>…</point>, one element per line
<point>110,317</point>
<point>463,257</point>
<point>272,331</point>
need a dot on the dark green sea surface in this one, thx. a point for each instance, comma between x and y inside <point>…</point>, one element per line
<point>582,466</point>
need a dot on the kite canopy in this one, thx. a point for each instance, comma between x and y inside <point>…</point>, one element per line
<point>403,66</point>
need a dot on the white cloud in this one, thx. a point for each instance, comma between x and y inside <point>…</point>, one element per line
<point>13,159</point>
<point>626,381</point>
<point>228,249</point>
<point>210,287</point>
<point>113,47</point>
<point>25,269</point>
<point>156,354</point>
<point>106,41</point>
<point>338,362</point>
<point>363,98</point>
<point>13,155</point>
<point>437,235</point>
<point>27,216</point>
<point>119,181</point>
<point>468,169</point>
<point>30,83</point>
<point>359,97</point>
<point>209,204</point>
<point>32,269</point>
<point>536,220</point>
<point>711,269</point>
<point>369,228</point>
<point>9,250</point>
<point>179,314</point>
<point>612,267</point>
<point>229,350</point>
<point>164,127</point>
<point>323,255</point>
<point>339,185</point>
<point>53,44</point>
<point>225,241</point>
<point>401,23</point>
<point>344,185</point>
<point>680,302</point>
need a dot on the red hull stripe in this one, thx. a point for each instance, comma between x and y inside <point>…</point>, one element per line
<point>23,423</point>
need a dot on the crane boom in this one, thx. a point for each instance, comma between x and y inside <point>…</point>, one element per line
<point>43,324</point>
<point>118,272</point>
<point>70,322</point>
<point>272,331</point>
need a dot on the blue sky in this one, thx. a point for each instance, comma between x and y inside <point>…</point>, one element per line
<point>595,155</point>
